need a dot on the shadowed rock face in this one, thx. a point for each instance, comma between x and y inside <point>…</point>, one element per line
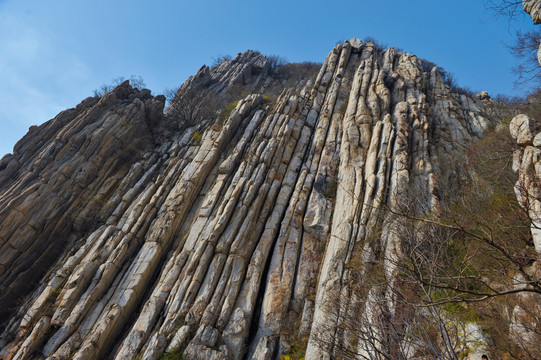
<point>127,239</point>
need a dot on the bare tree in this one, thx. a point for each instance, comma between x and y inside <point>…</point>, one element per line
<point>526,45</point>
<point>507,8</point>
<point>219,59</point>
<point>136,81</point>
<point>426,310</point>
<point>472,264</point>
<point>191,106</point>
<point>525,50</point>
<point>378,317</point>
<point>275,64</point>
<point>478,253</point>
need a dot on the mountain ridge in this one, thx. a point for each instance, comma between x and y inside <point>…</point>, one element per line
<point>212,238</point>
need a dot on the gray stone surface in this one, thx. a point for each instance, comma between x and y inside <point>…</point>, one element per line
<point>527,165</point>
<point>533,7</point>
<point>225,242</point>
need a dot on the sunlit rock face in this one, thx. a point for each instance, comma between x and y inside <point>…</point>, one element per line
<point>533,7</point>
<point>125,236</point>
<point>527,164</point>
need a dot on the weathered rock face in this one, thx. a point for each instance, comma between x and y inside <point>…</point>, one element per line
<point>64,178</point>
<point>248,71</point>
<point>129,240</point>
<point>525,132</point>
<point>533,7</point>
<point>527,164</point>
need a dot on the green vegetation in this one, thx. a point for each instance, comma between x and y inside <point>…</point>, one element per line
<point>270,100</point>
<point>57,290</point>
<point>226,112</point>
<point>296,351</point>
<point>490,245</point>
<point>297,343</point>
<point>458,263</point>
<point>196,139</point>
<point>173,355</point>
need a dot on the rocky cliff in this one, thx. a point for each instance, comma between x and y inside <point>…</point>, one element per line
<point>533,7</point>
<point>126,235</point>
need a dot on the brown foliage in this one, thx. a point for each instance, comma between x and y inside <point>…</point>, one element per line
<point>525,50</point>
<point>471,263</point>
<point>191,106</point>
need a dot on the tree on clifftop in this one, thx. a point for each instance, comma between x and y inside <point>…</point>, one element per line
<point>191,106</point>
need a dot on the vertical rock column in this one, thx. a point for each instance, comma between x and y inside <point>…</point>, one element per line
<point>284,264</point>
<point>526,162</point>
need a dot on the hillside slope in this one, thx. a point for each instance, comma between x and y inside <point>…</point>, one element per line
<point>126,233</point>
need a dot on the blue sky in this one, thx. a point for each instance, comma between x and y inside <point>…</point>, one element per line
<point>54,53</point>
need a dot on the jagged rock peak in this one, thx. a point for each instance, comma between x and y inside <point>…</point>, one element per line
<point>248,68</point>
<point>222,240</point>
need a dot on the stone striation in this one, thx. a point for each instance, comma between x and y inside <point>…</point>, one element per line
<point>527,164</point>
<point>65,177</point>
<point>221,241</point>
<point>249,70</point>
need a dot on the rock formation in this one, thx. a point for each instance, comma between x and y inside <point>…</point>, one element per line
<point>525,132</point>
<point>126,236</point>
<point>533,7</point>
<point>526,162</point>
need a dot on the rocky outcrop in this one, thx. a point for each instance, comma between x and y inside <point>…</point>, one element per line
<point>526,158</point>
<point>65,177</point>
<point>224,240</point>
<point>248,71</point>
<point>533,7</point>
<point>526,163</point>
<point>483,95</point>
<point>525,132</point>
